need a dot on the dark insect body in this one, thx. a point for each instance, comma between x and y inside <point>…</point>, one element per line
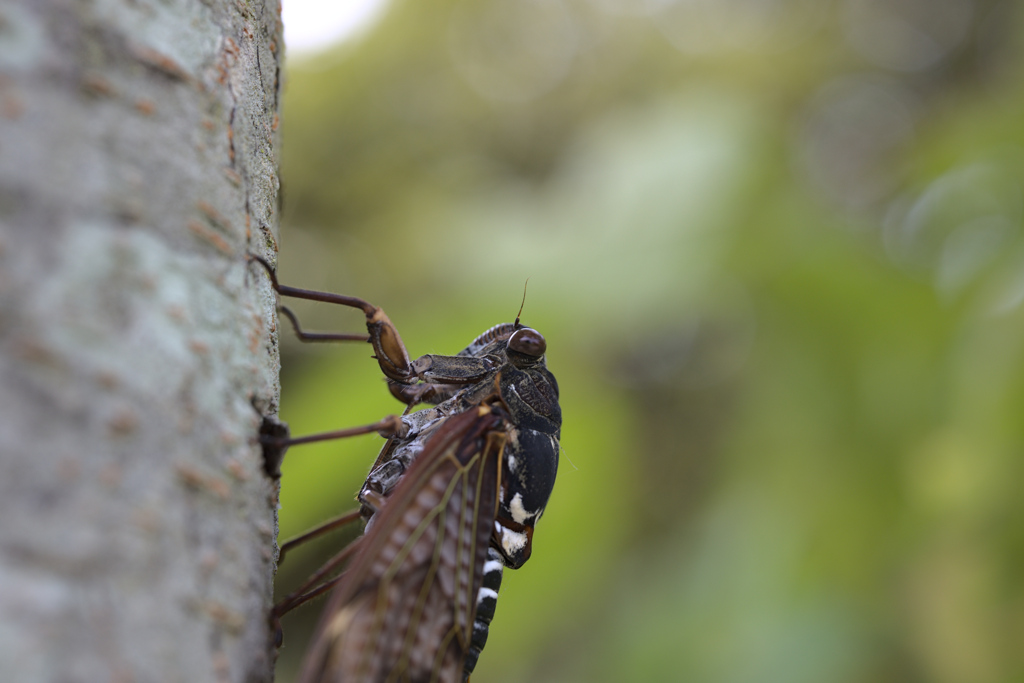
<point>451,500</point>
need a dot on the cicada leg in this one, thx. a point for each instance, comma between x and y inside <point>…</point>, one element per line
<point>275,439</point>
<point>428,379</point>
<point>317,531</point>
<point>388,347</point>
<point>303,592</point>
<point>313,337</point>
<point>389,426</point>
<point>306,592</point>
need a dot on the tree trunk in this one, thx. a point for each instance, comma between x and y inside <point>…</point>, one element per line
<point>138,166</point>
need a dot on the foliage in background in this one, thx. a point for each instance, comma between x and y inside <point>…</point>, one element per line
<point>776,250</point>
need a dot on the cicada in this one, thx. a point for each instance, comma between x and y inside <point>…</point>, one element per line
<point>451,501</point>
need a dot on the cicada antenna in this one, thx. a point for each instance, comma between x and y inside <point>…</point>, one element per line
<point>522,304</point>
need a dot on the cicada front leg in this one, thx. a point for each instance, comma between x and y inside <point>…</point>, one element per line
<point>428,379</point>
<point>387,344</point>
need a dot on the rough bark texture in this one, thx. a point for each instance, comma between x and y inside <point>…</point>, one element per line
<point>138,166</point>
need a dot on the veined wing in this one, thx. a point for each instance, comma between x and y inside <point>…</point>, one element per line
<point>405,607</point>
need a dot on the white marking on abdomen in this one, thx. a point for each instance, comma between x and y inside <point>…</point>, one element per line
<point>519,513</point>
<point>512,541</point>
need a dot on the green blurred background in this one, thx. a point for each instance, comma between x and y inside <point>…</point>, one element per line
<point>776,249</point>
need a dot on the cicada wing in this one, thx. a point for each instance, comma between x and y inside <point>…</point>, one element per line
<point>404,609</point>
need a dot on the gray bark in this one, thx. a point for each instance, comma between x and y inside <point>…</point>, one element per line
<point>138,166</point>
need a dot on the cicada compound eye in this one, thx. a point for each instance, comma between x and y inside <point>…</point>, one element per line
<point>528,341</point>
